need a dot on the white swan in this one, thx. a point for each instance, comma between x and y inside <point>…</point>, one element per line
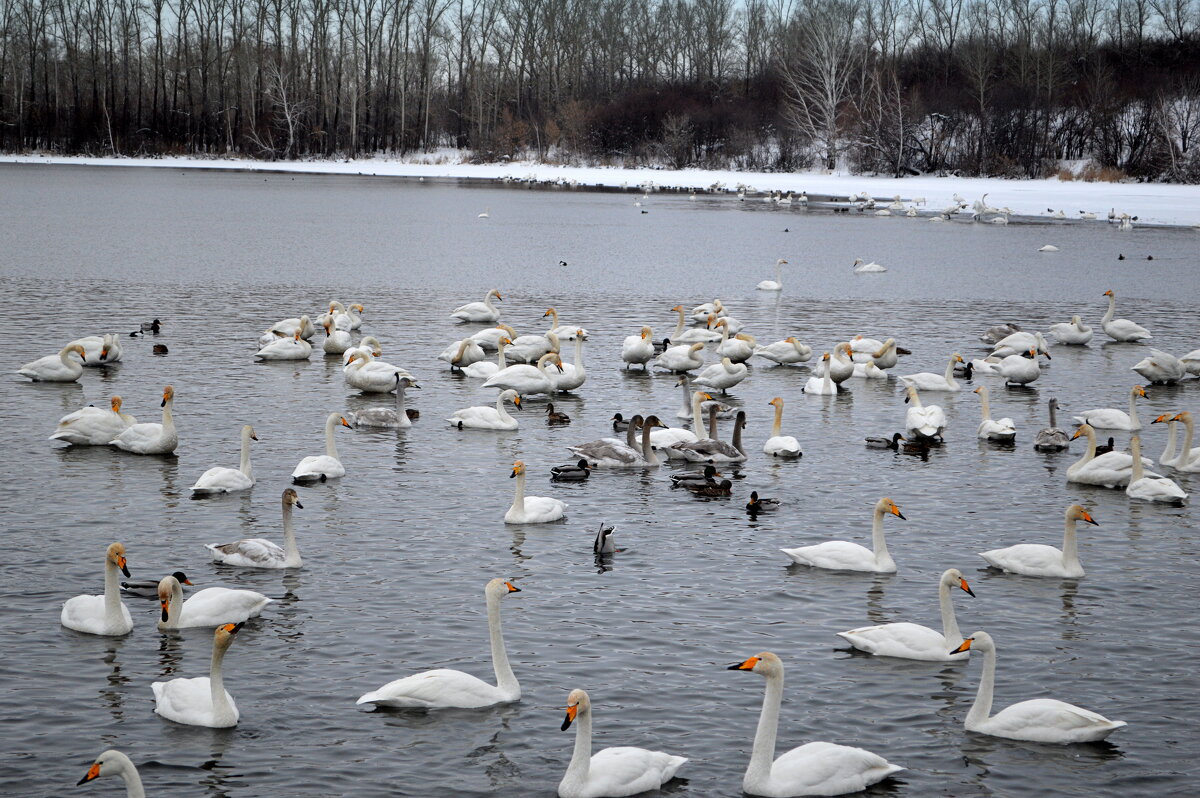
<point>101,615</point>
<point>723,375</point>
<point>1121,329</point>
<point>884,354</point>
<point>527,380</point>
<point>202,701</point>
<point>479,311</point>
<point>1040,720</point>
<point>861,267</point>
<point>683,357</point>
<point>687,411</point>
<point>336,341</point>
<point>926,422</point>
<point>913,641</point>
<point>56,368</point>
<point>461,354</point>
<point>92,426</point>
<point>325,466</point>
<point>286,328</point>
<point>114,763</point>
<point>1074,332</point>
<point>1020,369</point>
<point>638,349</point>
<point>444,688</point>
<point>371,376</point>
<point>293,348</point>
<point>1111,418</point>
<point>1109,470</point>
<point>531,509</point>
<point>1188,459</point>
<point>207,607</point>
<point>1169,453</point>
<point>563,330</point>
<point>387,417</point>
<point>620,771</point>
<point>1003,431</point>
<point>1191,362</point>
<point>368,346</point>
<point>928,381</point>
<point>700,335</point>
<point>784,352</point>
<point>780,445</point>
<point>150,438</point>
<point>739,348</point>
<point>1151,489</point>
<point>841,363</point>
<point>701,312</point>
<point>822,385</point>
<point>229,480</point>
<point>482,417</point>
<point>1161,367</point>
<point>1020,342</point>
<point>1037,559</point>
<point>816,768</point>
<point>572,375</point>
<point>488,338</point>
<point>839,555</point>
<point>260,552</point>
<point>484,368</point>
<point>777,283</point>
<point>100,350</point>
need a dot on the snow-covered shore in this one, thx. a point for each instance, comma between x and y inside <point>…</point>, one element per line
<point>1152,203</point>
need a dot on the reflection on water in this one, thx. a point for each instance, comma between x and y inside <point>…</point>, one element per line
<point>396,553</point>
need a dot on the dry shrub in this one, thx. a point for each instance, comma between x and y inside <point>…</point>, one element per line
<point>1065,175</point>
<point>1093,172</point>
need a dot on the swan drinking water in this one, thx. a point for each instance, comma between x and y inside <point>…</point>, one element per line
<point>219,479</point>
<point>913,641</point>
<point>840,555</point>
<point>444,688</point>
<point>202,701</point>
<point>101,615</point>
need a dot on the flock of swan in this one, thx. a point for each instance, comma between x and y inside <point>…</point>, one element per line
<point>532,365</point>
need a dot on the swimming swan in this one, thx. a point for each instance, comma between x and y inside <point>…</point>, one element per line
<point>207,607</point>
<point>56,368</point>
<point>1121,329</point>
<point>913,641</point>
<point>839,555</point>
<point>202,701</point>
<point>777,283</point>
<point>1151,489</point>
<point>531,509</point>
<point>219,479</point>
<point>260,552</point>
<point>1109,470</point>
<point>1111,418</point>
<point>479,311</point>
<point>780,445</point>
<point>1037,559</point>
<point>114,763</point>
<point>101,615</point>
<point>150,438</point>
<point>481,417</point>
<point>1002,431</point>
<point>92,426</point>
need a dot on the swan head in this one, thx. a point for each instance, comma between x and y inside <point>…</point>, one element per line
<point>957,357</point>
<point>296,336</point>
<point>116,555</point>
<point>780,262</point>
<point>981,390</point>
<point>334,305</point>
<point>825,356</point>
<point>168,587</point>
<point>342,420</point>
<point>910,394</point>
<point>886,505</point>
<point>980,640</point>
<point>518,467</point>
<point>358,306</point>
<point>550,312</point>
<point>499,587</point>
<point>1185,417</point>
<point>496,293</point>
<point>110,763</point>
<point>739,421</point>
<point>646,333</point>
<point>511,396</point>
<point>764,662</point>
<point>577,703</point>
<point>290,499</point>
<point>1139,391</point>
<point>115,402</point>
<point>791,339</point>
<point>1109,292</point>
<point>248,431</point>
<point>1076,512</point>
<point>954,578</point>
<point>678,309</point>
<point>722,323</point>
<point>79,350</point>
<point>776,402</point>
<point>328,325</point>
<point>1084,429</point>
<point>168,395</point>
<point>708,323</point>
<point>223,635</point>
<point>652,422</point>
<point>858,262</point>
<point>1166,418</point>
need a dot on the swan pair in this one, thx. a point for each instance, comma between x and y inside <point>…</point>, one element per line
<point>1188,458</point>
<point>318,468</point>
<point>484,369</point>
<point>1109,470</point>
<point>612,453</point>
<point>713,450</point>
<point>364,372</point>
<point>260,552</point>
<point>92,426</point>
<point>100,350</point>
<point>150,438</point>
<point>838,555</point>
<point>229,480</point>
<point>1151,489</point>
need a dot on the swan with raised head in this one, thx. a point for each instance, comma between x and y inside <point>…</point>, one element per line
<point>293,348</point>
<point>563,330</point>
<point>207,607</point>
<point>638,349</point>
<point>714,450</point>
<point>531,509</point>
<point>822,385</point>
<point>610,772</point>
<point>484,368</point>
<point>785,352</point>
<point>369,375</point>
<point>219,479</point>
<point>444,688</point>
<point>780,445</point>
<point>1051,438</point>
<point>1111,418</point>
<point>683,357</point>
<point>479,311</point>
<point>723,375</point>
<point>928,381</point>
<point>777,283</point>
<point>318,468</point>
<point>202,701</point>
<point>525,379</point>
<point>926,422</point>
<point>840,555</point>
<point>101,615</point>
<point>1110,470</point>
<point>739,348</point>
<point>483,417</point>
<point>114,763</point>
<point>260,552</point>
<point>1188,459</point>
<point>861,267</point>
<point>1074,332</point>
<point>387,417</point>
<point>572,375</point>
<point>1040,720</point>
<point>1020,369</point>
<point>150,438</point>
<point>1037,559</point>
<point>1151,489</point>
<point>1161,368</point>
<point>817,768</point>
<point>336,341</point>
<point>1169,453</point>
<point>1122,330</point>
<point>461,354</point>
<point>913,641</point>
<point>92,426</point>
<point>56,368</point>
<point>1001,431</point>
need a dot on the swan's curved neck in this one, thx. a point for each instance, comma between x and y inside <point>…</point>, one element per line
<point>950,375</point>
<point>330,444</point>
<point>949,622</point>
<point>724,335</point>
<point>981,710</point>
<point>1090,454</point>
<point>1053,417</point>
<point>505,680</point>
<point>112,594</point>
<point>222,709</point>
<point>737,437</point>
<point>1070,547</point>
<point>128,771</point>
<point>519,494</point>
<point>762,756</point>
<point>1112,308</point>
<point>1186,451</point>
<point>462,350</point>
<point>678,327</point>
<point>500,409</point>
<point>987,407</point>
<point>713,412</point>
<point>244,467</point>
<point>487,300</point>
<point>1134,423</point>
<point>291,552</point>
<point>64,355</point>
<point>581,758</point>
<point>500,355</point>
<point>401,411</point>
<point>1168,455</point>
<point>174,608</point>
<point>777,427</point>
<point>553,319</point>
<point>878,542</point>
<point>647,450</point>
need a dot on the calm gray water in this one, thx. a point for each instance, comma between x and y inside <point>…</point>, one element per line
<point>397,552</point>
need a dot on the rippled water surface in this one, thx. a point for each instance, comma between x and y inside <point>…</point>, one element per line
<point>397,553</point>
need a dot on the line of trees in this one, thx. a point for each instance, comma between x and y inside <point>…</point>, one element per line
<point>994,87</point>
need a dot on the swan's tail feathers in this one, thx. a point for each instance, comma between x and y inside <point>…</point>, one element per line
<point>369,698</point>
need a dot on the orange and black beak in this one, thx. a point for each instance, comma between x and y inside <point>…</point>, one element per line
<point>346,423</point>
<point>905,398</point>
<point>748,665</point>
<point>234,628</point>
<point>1088,517</point>
<point>512,588</point>
<point>966,646</point>
<point>966,588</point>
<point>104,353</point>
<point>571,713</point>
<point>253,436</point>
<point>896,512</point>
<point>122,564</point>
<point>93,773</point>
<point>163,403</point>
<point>165,604</point>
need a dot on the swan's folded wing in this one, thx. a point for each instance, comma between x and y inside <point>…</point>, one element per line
<point>442,687</point>
<point>833,554</point>
<point>821,768</point>
<point>1051,720</point>
<point>905,640</point>
<point>254,551</point>
<point>626,770</point>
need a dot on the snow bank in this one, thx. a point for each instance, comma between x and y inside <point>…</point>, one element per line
<point>1153,203</point>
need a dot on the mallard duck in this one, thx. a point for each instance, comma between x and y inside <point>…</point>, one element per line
<point>722,488</point>
<point>696,478</point>
<point>148,588</point>
<point>619,422</point>
<point>757,505</point>
<point>892,443</point>
<point>603,544</point>
<point>555,418</point>
<point>571,473</point>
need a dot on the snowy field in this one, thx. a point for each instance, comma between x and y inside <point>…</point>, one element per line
<point>1151,203</point>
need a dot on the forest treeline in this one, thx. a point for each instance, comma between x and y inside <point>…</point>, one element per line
<point>979,87</point>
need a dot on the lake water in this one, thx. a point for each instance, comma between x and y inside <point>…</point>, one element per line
<point>397,553</point>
